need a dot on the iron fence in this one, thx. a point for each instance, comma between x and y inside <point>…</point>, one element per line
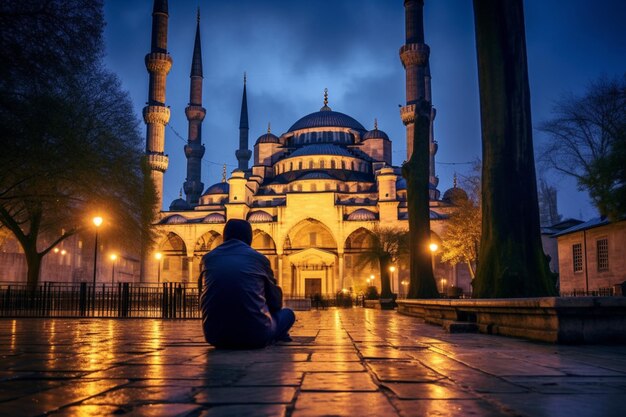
<point>53,299</point>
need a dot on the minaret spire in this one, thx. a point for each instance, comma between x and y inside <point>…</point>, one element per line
<point>156,115</point>
<point>243,154</point>
<point>414,55</point>
<point>194,150</point>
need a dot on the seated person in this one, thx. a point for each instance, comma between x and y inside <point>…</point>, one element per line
<point>241,303</point>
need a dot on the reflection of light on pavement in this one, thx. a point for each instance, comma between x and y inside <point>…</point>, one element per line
<point>53,334</point>
<point>155,358</point>
<point>13,334</point>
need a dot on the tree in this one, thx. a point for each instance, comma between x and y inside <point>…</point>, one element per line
<point>511,260</point>
<point>416,171</point>
<point>388,245</point>
<point>71,144</point>
<point>588,142</point>
<point>461,239</point>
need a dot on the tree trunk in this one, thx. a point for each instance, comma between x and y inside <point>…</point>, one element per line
<point>385,279</point>
<point>511,259</point>
<point>33,262</point>
<point>417,172</point>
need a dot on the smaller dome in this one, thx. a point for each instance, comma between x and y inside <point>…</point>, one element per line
<point>175,219</point>
<point>362,215</point>
<point>219,188</point>
<point>260,216</point>
<point>454,195</point>
<point>268,138</point>
<point>375,134</point>
<point>179,204</point>
<point>214,218</point>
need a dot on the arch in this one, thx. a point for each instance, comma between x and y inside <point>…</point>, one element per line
<point>173,244</point>
<point>263,242</point>
<point>360,239</point>
<point>310,233</point>
<point>207,242</point>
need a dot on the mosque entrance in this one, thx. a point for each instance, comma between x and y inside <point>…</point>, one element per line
<point>312,286</point>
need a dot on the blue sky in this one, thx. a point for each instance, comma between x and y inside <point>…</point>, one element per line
<point>292,50</point>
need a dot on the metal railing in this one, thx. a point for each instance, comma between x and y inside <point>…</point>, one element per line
<point>53,299</point>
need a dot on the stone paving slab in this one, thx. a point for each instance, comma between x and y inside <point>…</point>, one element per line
<point>341,362</point>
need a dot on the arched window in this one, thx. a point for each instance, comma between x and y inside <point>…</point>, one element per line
<point>300,165</point>
<point>311,164</point>
<point>343,164</point>
<point>290,166</point>
<point>313,187</point>
<point>322,164</point>
<point>332,164</point>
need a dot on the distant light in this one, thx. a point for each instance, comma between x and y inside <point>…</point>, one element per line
<point>372,277</point>
<point>344,290</point>
<point>433,247</point>
<point>63,252</point>
<point>158,256</point>
<point>113,256</point>
<point>97,221</point>
<point>392,268</point>
<point>56,250</point>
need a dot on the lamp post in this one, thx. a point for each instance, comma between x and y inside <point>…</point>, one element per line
<point>392,269</point>
<point>158,256</point>
<point>113,259</point>
<point>97,221</point>
<point>433,248</point>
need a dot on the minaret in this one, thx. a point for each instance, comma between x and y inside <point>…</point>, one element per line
<point>156,114</point>
<point>414,55</point>
<point>194,150</point>
<point>243,153</point>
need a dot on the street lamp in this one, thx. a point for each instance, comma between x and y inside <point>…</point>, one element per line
<point>113,259</point>
<point>404,284</point>
<point>392,269</point>
<point>97,221</point>
<point>158,256</point>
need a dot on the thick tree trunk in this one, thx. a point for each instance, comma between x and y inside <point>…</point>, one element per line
<point>385,279</point>
<point>511,259</point>
<point>417,172</point>
<point>33,262</point>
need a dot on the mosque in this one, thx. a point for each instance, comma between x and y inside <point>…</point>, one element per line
<point>315,194</point>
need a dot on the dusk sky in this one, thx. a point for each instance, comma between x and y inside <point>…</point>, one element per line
<point>292,50</point>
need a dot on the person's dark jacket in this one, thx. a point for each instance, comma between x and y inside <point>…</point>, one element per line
<point>238,296</point>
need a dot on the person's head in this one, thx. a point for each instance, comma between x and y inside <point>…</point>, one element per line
<point>238,229</point>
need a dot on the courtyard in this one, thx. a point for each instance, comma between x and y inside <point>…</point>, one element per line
<point>341,362</point>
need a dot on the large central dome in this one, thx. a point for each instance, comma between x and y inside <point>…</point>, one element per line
<point>326,118</point>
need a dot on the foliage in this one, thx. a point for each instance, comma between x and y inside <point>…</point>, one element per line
<point>388,246</point>
<point>461,239</point>
<point>71,144</point>
<point>372,293</point>
<point>588,142</point>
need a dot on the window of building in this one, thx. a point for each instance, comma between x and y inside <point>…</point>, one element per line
<point>166,263</point>
<point>602,246</point>
<point>577,256</point>
<point>312,239</point>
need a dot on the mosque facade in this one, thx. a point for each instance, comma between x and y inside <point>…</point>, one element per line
<point>315,195</point>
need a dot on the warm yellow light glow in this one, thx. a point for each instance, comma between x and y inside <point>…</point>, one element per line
<point>433,247</point>
<point>372,277</point>
<point>113,256</point>
<point>405,282</point>
<point>56,250</point>
<point>97,221</point>
<point>392,268</point>
<point>344,290</point>
<point>63,252</point>
<point>158,256</point>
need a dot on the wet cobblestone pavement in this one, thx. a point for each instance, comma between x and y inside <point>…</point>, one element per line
<point>353,362</point>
